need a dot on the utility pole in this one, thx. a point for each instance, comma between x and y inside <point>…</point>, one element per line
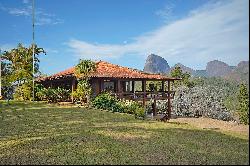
<point>0,74</point>
<point>33,45</point>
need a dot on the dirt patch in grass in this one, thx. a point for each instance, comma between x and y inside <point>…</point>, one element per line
<point>214,124</point>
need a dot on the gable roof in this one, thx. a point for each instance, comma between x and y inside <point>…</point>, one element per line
<point>108,70</point>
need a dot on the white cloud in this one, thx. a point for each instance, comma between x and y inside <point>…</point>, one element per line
<point>41,17</point>
<point>214,31</point>
<point>50,50</point>
<point>6,47</point>
<point>19,12</point>
<point>25,1</point>
<point>167,12</point>
<point>49,21</point>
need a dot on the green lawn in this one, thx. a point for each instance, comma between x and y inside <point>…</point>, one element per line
<point>46,134</point>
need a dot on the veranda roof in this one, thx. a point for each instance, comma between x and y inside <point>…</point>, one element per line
<point>109,70</point>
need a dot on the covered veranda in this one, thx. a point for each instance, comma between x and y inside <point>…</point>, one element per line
<point>122,82</point>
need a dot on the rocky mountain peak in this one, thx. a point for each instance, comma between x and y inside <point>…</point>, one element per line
<point>156,64</point>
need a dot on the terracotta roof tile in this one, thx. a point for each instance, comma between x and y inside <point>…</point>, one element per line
<point>108,70</point>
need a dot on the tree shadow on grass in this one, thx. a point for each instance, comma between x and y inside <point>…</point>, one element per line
<point>178,123</point>
<point>15,105</point>
<point>185,146</point>
<point>147,146</point>
<point>73,136</point>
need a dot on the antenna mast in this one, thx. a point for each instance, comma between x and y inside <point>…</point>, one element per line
<point>33,45</point>
<point>0,74</point>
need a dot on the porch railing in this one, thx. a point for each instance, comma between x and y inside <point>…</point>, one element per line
<point>145,95</point>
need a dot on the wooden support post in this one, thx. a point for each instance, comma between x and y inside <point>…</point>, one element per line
<point>133,86</point>
<point>162,85</point>
<point>154,108</point>
<point>101,82</point>
<point>168,115</point>
<point>119,88</point>
<point>169,102</point>
<point>73,87</point>
<point>144,92</point>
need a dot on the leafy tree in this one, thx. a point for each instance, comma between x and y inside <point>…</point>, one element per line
<point>19,61</point>
<point>198,81</point>
<point>177,73</point>
<point>7,89</point>
<point>243,108</point>
<point>83,90</point>
<point>18,64</point>
<point>82,72</point>
<point>84,68</point>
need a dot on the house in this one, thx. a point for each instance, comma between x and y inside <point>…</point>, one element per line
<point>121,81</point>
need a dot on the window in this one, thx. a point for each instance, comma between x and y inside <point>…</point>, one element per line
<point>138,86</point>
<point>109,85</point>
<point>128,86</point>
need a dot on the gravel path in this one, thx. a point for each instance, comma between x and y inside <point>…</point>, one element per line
<point>213,124</point>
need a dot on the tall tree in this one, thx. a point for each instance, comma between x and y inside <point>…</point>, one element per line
<point>84,68</point>
<point>178,73</point>
<point>243,108</point>
<point>19,65</point>
<point>82,72</point>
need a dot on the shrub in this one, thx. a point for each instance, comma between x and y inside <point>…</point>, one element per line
<point>161,106</point>
<point>132,107</point>
<point>82,91</point>
<point>108,102</point>
<point>119,106</point>
<point>139,112</point>
<point>104,101</point>
<point>23,92</point>
<point>62,94</point>
<point>52,95</point>
<point>40,92</point>
<point>207,101</point>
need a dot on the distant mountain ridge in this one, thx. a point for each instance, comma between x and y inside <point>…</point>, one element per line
<point>240,73</point>
<point>183,68</point>
<point>215,68</point>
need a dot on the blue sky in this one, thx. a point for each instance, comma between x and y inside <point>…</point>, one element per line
<point>124,32</point>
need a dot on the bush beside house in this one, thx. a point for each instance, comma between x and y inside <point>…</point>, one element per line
<point>107,102</point>
<point>52,95</point>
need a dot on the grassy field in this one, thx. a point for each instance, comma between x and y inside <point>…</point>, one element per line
<point>48,134</point>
